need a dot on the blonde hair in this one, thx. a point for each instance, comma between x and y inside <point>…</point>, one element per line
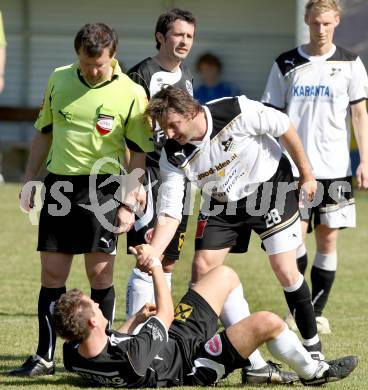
<point>323,6</point>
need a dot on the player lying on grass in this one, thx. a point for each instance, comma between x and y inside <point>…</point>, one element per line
<point>181,347</point>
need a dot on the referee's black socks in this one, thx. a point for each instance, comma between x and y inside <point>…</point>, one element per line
<point>106,299</point>
<point>46,334</point>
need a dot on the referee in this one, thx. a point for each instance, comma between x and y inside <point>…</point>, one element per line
<point>90,112</point>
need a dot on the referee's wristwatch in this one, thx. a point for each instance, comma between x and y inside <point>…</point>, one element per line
<point>133,208</point>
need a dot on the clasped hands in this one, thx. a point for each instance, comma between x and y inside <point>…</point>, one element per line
<point>146,256</point>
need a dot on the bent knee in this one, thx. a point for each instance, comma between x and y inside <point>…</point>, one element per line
<point>228,274</point>
<point>100,280</point>
<point>204,262</point>
<point>270,324</point>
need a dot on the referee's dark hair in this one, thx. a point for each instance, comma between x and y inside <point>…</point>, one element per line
<point>93,38</point>
<point>165,19</point>
<point>71,315</point>
<point>175,99</point>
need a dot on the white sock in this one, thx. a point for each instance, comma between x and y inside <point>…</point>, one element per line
<point>235,309</point>
<point>139,292</point>
<point>287,348</point>
<point>326,262</point>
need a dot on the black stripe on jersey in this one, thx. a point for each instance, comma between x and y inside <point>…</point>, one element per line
<point>357,101</point>
<point>83,81</point>
<point>290,60</point>
<point>179,155</point>
<point>223,111</point>
<point>342,54</point>
<point>272,106</point>
<point>129,112</point>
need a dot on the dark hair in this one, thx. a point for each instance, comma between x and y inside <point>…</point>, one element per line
<point>164,21</point>
<point>93,38</point>
<point>210,59</point>
<point>175,99</point>
<point>71,315</point>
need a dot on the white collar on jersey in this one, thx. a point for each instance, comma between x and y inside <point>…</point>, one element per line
<point>329,54</point>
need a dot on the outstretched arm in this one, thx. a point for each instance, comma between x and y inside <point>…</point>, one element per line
<point>164,303</point>
<point>164,230</point>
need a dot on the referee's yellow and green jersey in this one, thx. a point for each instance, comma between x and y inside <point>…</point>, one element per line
<point>92,122</point>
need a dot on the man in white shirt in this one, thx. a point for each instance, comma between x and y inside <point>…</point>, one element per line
<point>227,148</point>
<point>317,85</point>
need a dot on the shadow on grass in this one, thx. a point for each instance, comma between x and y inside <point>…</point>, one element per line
<point>58,379</point>
<point>20,314</point>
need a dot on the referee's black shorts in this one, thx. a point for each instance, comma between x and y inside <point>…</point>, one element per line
<point>71,219</point>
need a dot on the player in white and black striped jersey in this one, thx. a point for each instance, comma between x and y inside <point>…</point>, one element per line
<point>227,148</point>
<point>318,84</point>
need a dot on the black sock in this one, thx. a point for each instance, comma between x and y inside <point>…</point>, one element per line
<point>302,263</point>
<point>300,306</point>
<point>106,299</point>
<point>46,334</point>
<point>322,282</point>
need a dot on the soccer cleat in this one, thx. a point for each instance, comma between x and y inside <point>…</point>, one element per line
<point>268,374</point>
<point>290,321</point>
<point>317,355</point>
<point>323,326</point>
<point>34,366</point>
<point>332,371</point>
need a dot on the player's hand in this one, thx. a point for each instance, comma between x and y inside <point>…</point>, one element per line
<point>308,187</point>
<point>26,197</point>
<point>125,220</point>
<point>147,311</point>
<point>144,254</point>
<point>362,176</point>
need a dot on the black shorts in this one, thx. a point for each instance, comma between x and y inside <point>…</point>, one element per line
<point>210,355</point>
<point>272,212</point>
<point>333,205</point>
<point>68,227</point>
<point>142,231</point>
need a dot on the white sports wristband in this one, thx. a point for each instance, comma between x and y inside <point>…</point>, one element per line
<point>155,262</point>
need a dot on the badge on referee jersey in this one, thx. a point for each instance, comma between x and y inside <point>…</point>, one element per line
<point>104,123</point>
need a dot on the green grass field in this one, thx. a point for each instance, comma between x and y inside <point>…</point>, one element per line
<point>19,287</point>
